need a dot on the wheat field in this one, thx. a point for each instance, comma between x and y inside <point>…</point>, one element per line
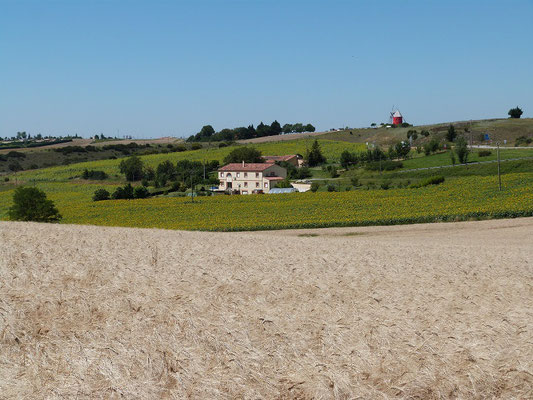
<point>413,312</point>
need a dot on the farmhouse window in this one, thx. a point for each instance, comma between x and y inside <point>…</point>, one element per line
<point>245,184</point>
<point>238,174</point>
<point>256,184</point>
<point>266,184</point>
<point>222,174</point>
<point>257,174</point>
<point>221,183</point>
<point>246,174</point>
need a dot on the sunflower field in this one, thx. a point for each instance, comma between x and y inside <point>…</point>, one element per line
<point>456,199</point>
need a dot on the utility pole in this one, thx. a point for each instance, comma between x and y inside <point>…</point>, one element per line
<point>499,174</point>
<point>192,189</point>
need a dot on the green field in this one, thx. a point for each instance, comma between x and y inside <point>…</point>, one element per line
<point>439,159</point>
<point>330,149</point>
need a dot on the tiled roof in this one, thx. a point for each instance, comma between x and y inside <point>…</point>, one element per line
<point>274,178</point>
<point>247,167</point>
<point>279,158</point>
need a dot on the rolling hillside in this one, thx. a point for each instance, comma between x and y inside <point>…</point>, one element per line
<point>498,129</point>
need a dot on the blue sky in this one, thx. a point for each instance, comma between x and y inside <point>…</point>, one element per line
<point>158,68</point>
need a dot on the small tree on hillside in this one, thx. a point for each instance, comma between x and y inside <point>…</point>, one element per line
<point>515,112</point>
<point>275,128</point>
<point>309,128</point>
<point>461,149</point>
<point>132,168</point>
<point>31,204</point>
<point>451,134</point>
<point>314,156</point>
<point>101,194</point>
<point>246,154</point>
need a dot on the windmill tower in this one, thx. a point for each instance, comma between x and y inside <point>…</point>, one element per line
<point>396,117</point>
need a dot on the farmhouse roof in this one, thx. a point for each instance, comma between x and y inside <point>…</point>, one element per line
<point>246,167</point>
<point>279,158</point>
<point>274,178</point>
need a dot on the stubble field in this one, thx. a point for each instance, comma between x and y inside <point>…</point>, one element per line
<point>420,311</point>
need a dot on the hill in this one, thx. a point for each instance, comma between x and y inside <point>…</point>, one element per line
<point>417,312</point>
<point>498,130</point>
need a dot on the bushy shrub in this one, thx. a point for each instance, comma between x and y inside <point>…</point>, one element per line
<point>125,192</point>
<point>141,192</point>
<point>92,174</point>
<point>523,141</point>
<point>433,180</point>
<point>70,149</point>
<point>196,146</point>
<point>15,154</point>
<point>15,166</point>
<point>431,147</point>
<point>484,153</point>
<point>101,194</point>
<point>31,204</point>
<point>314,187</point>
<point>332,188</point>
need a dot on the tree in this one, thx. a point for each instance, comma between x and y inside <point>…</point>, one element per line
<point>515,112</point>
<point>461,150</point>
<point>15,166</point>
<point>100,194</point>
<point>451,134</point>
<point>125,192</point>
<point>132,168</point>
<point>166,171</point>
<point>309,128</point>
<point>314,187</point>
<point>402,149</point>
<point>287,128</point>
<point>246,154</point>
<point>348,159</point>
<point>275,128</point>
<point>140,192</point>
<point>314,156</point>
<point>206,132</point>
<point>298,128</point>
<point>285,183</point>
<point>31,204</point>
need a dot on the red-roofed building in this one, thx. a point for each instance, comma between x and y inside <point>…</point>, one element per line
<point>293,159</point>
<point>244,178</point>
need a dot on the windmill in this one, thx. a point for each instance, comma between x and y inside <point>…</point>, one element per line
<point>396,117</point>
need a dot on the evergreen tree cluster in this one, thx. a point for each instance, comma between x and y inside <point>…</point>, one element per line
<point>208,134</point>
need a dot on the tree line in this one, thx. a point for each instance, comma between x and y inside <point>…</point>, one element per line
<point>208,134</point>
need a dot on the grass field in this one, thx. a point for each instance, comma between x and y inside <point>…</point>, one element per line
<point>458,199</point>
<point>434,160</point>
<point>330,149</point>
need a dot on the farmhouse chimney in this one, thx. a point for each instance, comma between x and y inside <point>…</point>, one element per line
<point>243,163</point>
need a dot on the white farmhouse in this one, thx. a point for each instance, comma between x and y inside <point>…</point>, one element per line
<point>245,178</point>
